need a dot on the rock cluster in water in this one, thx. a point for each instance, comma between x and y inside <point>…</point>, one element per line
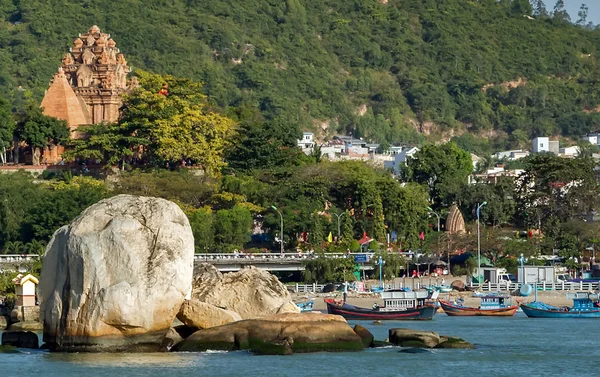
<point>425,339</point>
<point>119,274</point>
<point>280,334</point>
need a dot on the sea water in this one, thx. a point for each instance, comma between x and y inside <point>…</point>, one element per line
<point>514,346</point>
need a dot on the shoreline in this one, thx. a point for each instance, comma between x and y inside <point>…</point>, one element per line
<point>367,299</point>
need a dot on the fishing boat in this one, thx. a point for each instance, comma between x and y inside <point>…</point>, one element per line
<point>584,306</point>
<point>492,305</point>
<point>306,306</point>
<point>397,305</point>
<point>439,288</point>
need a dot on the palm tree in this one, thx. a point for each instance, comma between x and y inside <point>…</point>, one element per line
<point>35,247</point>
<point>13,247</point>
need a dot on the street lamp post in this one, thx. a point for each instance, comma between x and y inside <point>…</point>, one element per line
<point>380,262</point>
<point>479,243</point>
<point>522,260</point>
<point>431,211</point>
<point>281,230</point>
<point>338,219</point>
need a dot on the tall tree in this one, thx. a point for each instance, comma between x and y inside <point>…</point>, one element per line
<point>39,131</point>
<point>539,8</point>
<point>168,120</point>
<point>233,228</point>
<point>553,190</point>
<point>522,7</point>
<point>582,14</point>
<point>202,224</point>
<point>110,144</point>
<point>7,128</point>
<point>442,169</point>
<point>560,13</point>
<point>406,211</point>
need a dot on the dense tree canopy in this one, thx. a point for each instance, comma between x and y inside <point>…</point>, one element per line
<point>159,129</point>
<point>412,65</point>
<point>442,169</point>
<point>554,190</point>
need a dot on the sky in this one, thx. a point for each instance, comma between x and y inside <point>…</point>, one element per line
<point>573,6</point>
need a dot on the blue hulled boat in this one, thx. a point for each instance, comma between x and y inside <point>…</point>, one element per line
<point>584,306</point>
<point>306,306</point>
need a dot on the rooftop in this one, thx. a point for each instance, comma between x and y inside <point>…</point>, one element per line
<point>61,102</point>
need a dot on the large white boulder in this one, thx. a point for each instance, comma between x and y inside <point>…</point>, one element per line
<point>250,292</point>
<point>116,277</point>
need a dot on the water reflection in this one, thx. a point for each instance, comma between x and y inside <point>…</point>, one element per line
<point>156,360</point>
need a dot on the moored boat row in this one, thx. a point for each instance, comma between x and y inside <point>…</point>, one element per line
<point>405,305</point>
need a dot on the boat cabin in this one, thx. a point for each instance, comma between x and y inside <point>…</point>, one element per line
<point>583,301</point>
<point>493,302</point>
<point>401,300</point>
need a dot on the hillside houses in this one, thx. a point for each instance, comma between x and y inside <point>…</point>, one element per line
<point>395,157</point>
<point>347,148</point>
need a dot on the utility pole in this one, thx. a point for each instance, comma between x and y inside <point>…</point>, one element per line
<point>281,230</point>
<point>479,243</point>
<point>338,221</point>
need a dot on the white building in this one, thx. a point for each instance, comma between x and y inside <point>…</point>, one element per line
<point>475,159</point>
<point>592,138</point>
<point>400,159</point>
<point>511,155</point>
<point>307,143</point>
<point>541,144</point>
<point>394,149</point>
<point>569,151</point>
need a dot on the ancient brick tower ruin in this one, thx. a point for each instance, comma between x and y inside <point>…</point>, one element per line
<point>97,72</point>
<point>88,86</point>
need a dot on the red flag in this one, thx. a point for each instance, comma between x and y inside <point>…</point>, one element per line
<point>422,236</point>
<point>365,234</point>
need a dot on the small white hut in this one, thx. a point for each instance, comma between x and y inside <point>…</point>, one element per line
<point>25,289</point>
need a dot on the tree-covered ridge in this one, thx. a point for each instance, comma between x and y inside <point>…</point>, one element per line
<point>301,63</point>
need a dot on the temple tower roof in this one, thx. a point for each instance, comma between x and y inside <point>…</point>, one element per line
<point>61,102</point>
<point>455,223</point>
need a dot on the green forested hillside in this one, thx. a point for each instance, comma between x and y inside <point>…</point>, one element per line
<point>292,65</point>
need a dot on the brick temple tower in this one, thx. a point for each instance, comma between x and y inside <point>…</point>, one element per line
<point>97,73</point>
<point>88,86</point>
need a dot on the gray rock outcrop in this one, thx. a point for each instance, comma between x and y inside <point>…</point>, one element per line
<point>115,278</point>
<point>250,292</point>
<point>426,339</point>
<point>21,339</point>
<point>414,338</point>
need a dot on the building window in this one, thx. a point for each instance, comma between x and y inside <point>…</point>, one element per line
<point>542,145</point>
